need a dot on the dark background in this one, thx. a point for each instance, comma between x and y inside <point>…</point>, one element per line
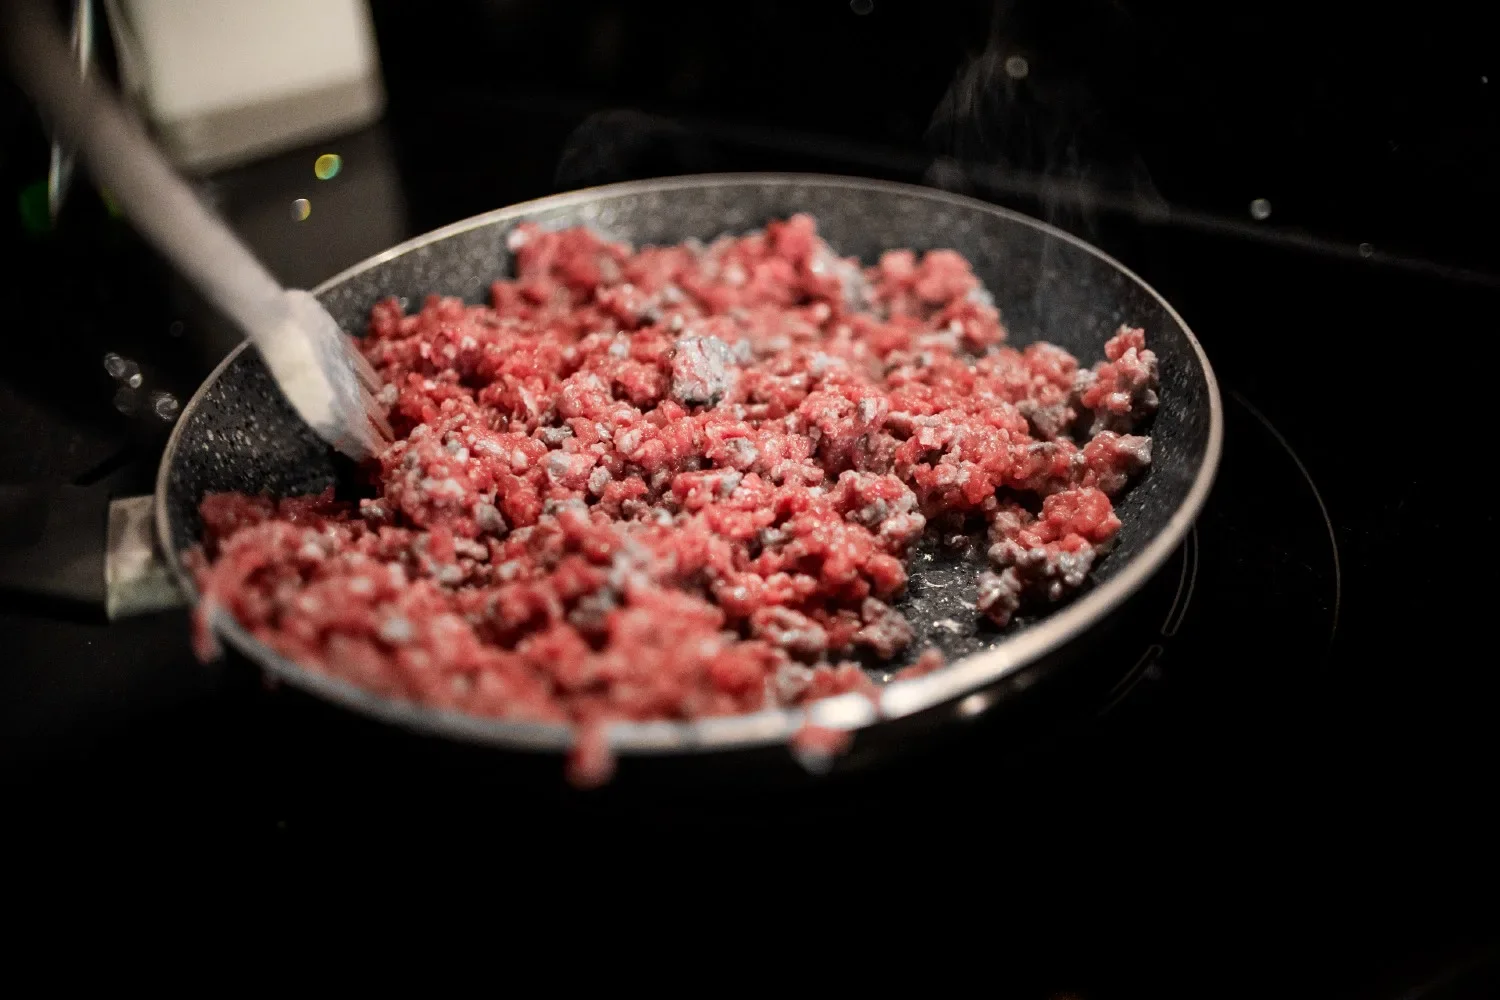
<point>1354,124</point>
<point>1366,132</point>
<point>1318,824</point>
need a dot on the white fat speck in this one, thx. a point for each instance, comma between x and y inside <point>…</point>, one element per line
<point>1137,447</point>
<point>742,453</point>
<point>489,519</point>
<point>555,507</point>
<point>361,585</point>
<point>791,681</point>
<point>619,349</point>
<point>471,549</point>
<point>871,514</point>
<point>599,479</point>
<point>489,447</point>
<point>441,487</point>
<point>396,630</point>
<point>702,371</point>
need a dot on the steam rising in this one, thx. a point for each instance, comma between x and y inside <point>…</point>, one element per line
<point>622,144</point>
<point>1028,107</point>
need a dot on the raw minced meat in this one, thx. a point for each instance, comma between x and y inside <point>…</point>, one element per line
<point>683,482</point>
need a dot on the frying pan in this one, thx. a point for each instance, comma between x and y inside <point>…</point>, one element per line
<point>238,433</point>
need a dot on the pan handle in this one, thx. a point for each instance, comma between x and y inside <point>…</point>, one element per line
<point>73,552</point>
<point>137,580</point>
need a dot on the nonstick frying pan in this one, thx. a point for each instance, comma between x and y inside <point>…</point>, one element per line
<point>238,433</point>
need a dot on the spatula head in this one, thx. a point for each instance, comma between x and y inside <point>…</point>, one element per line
<point>325,379</point>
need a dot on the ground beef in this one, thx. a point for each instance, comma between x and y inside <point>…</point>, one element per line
<point>682,482</point>
<point>1122,391</point>
<point>702,371</point>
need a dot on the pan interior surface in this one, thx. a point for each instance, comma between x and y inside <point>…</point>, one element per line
<point>239,433</point>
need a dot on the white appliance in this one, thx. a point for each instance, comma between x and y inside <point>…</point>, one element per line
<point>223,82</point>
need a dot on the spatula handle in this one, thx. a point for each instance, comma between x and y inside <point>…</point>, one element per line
<point>128,165</point>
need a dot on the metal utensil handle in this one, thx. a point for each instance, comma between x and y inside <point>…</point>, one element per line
<point>126,163</point>
<point>60,170</point>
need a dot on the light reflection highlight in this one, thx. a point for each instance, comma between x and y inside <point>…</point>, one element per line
<point>327,166</point>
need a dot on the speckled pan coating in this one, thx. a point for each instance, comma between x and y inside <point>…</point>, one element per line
<point>239,434</point>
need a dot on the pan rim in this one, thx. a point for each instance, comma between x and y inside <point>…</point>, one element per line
<point>967,676</point>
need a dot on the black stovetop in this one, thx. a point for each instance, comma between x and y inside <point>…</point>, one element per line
<point>1298,727</point>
